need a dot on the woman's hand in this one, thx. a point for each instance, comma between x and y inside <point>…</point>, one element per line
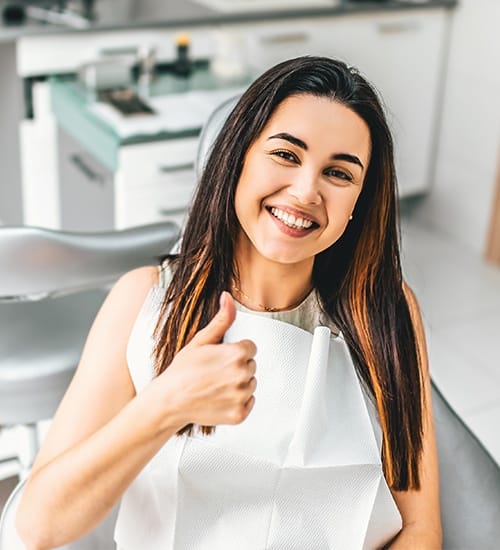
<point>210,382</point>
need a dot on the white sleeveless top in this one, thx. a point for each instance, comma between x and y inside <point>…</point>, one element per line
<point>303,471</point>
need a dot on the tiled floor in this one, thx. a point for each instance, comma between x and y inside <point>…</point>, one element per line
<point>460,301</point>
<point>459,297</point>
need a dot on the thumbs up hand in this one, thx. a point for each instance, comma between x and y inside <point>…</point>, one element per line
<point>210,382</point>
<point>223,319</point>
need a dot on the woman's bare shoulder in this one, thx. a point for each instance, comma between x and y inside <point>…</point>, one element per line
<point>138,279</point>
<point>133,286</point>
<point>112,326</point>
<point>130,291</point>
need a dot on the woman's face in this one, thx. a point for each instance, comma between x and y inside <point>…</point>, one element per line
<point>301,179</point>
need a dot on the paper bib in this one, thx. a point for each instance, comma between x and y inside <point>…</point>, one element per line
<point>303,471</point>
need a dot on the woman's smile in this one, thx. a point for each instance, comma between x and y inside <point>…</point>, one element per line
<point>291,221</point>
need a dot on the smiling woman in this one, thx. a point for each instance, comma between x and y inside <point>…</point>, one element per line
<point>288,273</point>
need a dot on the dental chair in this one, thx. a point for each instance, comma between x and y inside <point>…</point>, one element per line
<point>469,477</point>
<point>52,284</point>
<point>469,483</point>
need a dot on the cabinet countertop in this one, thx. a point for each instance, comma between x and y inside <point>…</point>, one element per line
<point>74,111</point>
<point>113,15</point>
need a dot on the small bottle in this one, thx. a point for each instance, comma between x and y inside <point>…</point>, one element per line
<point>183,65</point>
<point>146,67</point>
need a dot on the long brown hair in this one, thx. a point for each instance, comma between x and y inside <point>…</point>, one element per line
<point>358,278</point>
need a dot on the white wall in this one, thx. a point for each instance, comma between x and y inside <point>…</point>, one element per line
<point>460,201</point>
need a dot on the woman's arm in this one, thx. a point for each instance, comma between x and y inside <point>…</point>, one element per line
<point>103,434</point>
<point>420,509</point>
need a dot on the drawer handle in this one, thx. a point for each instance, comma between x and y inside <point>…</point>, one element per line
<point>166,168</point>
<point>397,27</point>
<point>286,38</point>
<point>86,170</point>
<point>172,211</point>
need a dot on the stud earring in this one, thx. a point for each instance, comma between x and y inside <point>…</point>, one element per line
<point>350,217</point>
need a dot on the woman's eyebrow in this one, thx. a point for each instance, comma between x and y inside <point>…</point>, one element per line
<point>348,158</point>
<point>292,139</point>
<point>299,143</point>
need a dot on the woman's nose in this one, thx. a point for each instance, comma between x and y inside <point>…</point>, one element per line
<point>305,188</point>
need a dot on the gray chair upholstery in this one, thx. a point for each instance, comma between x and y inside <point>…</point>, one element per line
<point>469,483</point>
<point>469,477</point>
<point>100,538</point>
<point>52,284</point>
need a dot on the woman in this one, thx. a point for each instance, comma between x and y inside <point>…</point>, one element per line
<point>294,225</point>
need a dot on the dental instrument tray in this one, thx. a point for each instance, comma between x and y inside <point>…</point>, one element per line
<point>126,101</point>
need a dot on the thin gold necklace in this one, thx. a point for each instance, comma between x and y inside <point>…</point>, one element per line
<point>271,309</point>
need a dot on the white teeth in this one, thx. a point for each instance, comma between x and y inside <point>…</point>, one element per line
<point>291,220</point>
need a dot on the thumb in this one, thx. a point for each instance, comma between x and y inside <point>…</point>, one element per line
<point>222,320</point>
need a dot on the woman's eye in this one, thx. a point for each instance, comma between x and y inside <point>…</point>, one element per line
<point>337,173</point>
<point>285,155</point>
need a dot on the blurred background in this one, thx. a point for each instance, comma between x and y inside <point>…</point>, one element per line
<point>101,103</point>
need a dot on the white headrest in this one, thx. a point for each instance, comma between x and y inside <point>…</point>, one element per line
<point>211,130</point>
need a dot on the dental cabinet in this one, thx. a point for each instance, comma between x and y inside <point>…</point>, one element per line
<point>110,176</point>
<point>82,173</point>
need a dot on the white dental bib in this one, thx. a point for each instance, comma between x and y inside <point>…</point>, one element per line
<point>303,471</point>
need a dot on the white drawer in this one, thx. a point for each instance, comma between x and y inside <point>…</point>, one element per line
<point>166,199</point>
<point>155,162</point>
